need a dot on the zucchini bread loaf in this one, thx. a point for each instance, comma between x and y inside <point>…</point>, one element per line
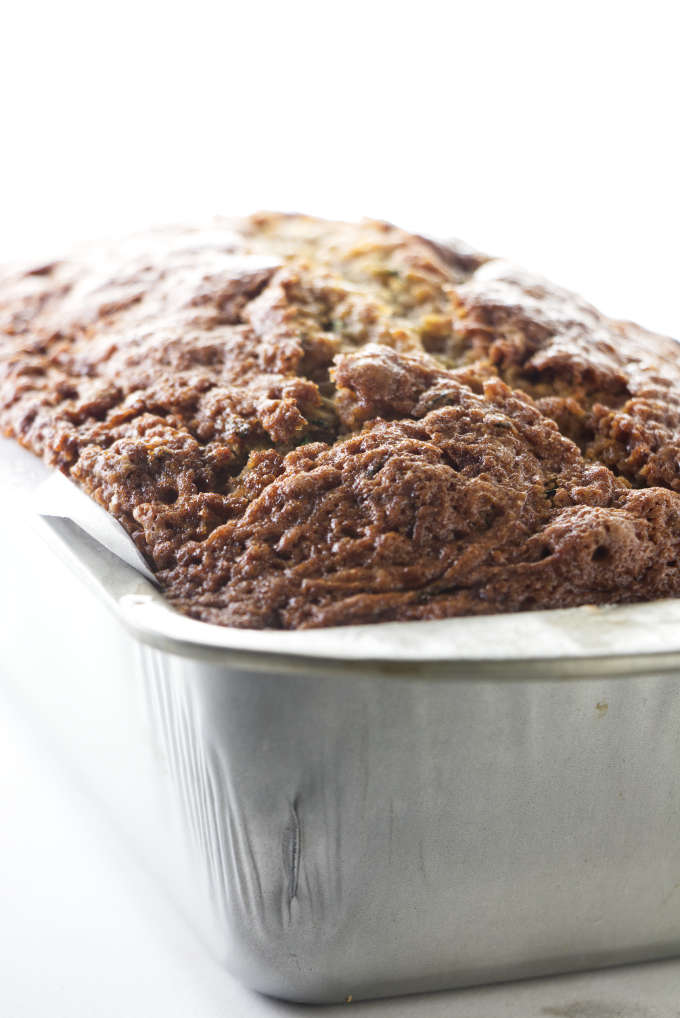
<point>308,423</point>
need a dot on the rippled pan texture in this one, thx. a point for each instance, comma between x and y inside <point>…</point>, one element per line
<point>367,828</point>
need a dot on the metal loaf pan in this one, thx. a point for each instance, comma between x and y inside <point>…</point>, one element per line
<point>372,810</point>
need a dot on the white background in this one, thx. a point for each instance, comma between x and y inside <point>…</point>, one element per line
<point>543,131</point>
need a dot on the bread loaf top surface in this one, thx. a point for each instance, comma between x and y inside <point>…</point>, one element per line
<point>309,423</point>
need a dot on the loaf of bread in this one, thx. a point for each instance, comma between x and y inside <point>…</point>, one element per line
<point>308,423</point>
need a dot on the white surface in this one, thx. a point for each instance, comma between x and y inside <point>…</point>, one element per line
<point>85,933</point>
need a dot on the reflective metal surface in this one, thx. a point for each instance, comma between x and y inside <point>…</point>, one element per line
<point>368,827</point>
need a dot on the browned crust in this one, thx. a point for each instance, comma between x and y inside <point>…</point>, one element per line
<point>306,423</point>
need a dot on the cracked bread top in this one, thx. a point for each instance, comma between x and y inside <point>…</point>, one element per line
<point>308,423</point>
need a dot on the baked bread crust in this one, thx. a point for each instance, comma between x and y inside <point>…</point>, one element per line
<point>306,423</point>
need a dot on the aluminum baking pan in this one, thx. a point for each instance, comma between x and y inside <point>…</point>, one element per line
<point>371,810</point>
